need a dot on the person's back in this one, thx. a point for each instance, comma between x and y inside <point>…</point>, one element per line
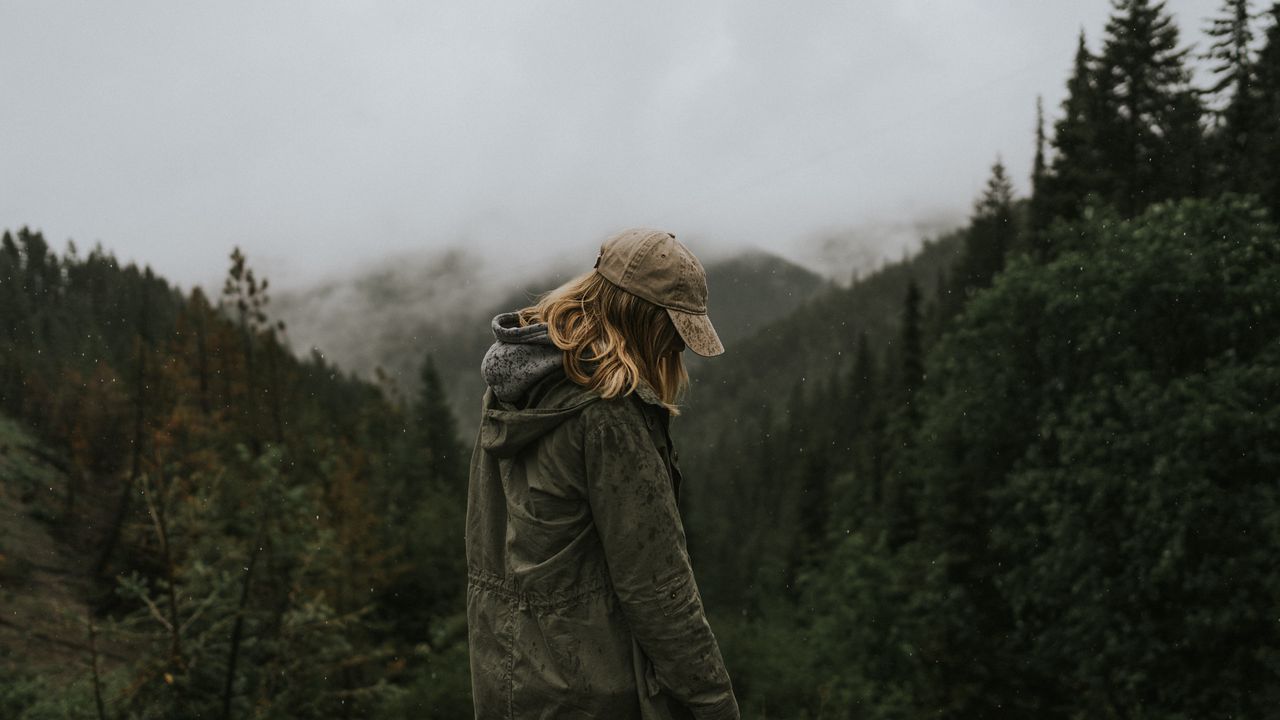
<point>581,600</point>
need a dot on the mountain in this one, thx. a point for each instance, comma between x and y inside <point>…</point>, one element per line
<point>385,321</point>
<point>813,338</point>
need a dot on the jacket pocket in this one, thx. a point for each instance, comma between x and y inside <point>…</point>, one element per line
<point>674,595</point>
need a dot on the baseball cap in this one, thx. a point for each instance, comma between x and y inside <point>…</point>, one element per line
<point>653,265</point>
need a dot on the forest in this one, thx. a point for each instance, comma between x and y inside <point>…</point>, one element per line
<point>1029,471</point>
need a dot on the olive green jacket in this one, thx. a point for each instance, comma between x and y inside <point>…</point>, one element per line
<point>581,602</point>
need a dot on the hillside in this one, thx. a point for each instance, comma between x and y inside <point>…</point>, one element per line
<point>741,433</point>
<point>230,514</point>
<point>393,317</point>
<point>811,341</point>
<point>45,570</point>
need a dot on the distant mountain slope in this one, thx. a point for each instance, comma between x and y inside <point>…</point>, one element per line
<point>811,342</point>
<point>392,317</point>
<point>750,290</point>
<point>816,336</point>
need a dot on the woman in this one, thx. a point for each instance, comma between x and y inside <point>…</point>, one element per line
<point>581,602</point>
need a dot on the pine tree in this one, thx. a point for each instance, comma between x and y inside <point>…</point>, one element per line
<point>900,497</point>
<point>1150,130</point>
<point>1266,182</point>
<point>1077,169</point>
<point>1038,209</point>
<point>12,302</point>
<point>434,428</point>
<point>912,350</point>
<point>141,417</point>
<point>246,298</point>
<point>991,233</point>
<point>1236,115</point>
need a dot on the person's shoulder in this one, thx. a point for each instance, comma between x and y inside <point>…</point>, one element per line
<point>632,410</point>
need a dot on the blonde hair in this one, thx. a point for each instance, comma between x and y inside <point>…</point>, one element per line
<point>612,340</point>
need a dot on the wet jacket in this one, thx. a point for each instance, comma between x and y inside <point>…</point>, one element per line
<point>581,602</point>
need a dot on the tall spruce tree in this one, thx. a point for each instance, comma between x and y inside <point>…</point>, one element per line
<point>900,494</point>
<point>866,426</point>
<point>1267,131</point>
<point>912,348</point>
<point>1077,169</point>
<point>991,232</point>
<point>1038,208</point>
<point>434,428</point>
<point>1150,130</point>
<point>1236,101</point>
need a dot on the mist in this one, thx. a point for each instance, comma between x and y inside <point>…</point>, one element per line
<point>326,137</point>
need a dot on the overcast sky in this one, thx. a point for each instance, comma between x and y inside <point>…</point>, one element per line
<point>322,136</point>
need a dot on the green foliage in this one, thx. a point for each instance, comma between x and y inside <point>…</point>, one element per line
<point>441,688</point>
<point>751,467</point>
<point>1264,143</point>
<point>1077,169</point>
<point>1150,129</point>
<point>865,600</point>
<point>771,664</point>
<point>1131,131</point>
<point>26,695</point>
<point>991,234</point>
<point>1098,463</point>
<point>1094,469</point>
<point>238,499</point>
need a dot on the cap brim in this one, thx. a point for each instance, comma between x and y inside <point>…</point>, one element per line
<point>697,332</point>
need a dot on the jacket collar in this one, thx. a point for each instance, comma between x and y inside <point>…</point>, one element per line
<point>649,395</point>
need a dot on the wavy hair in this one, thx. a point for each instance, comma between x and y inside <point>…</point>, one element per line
<point>612,340</point>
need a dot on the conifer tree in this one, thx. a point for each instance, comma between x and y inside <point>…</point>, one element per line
<point>991,233</point>
<point>1236,114</point>
<point>1038,209</point>
<point>246,297</point>
<point>1267,131</point>
<point>912,350</point>
<point>862,423</point>
<point>140,419</point>
<point>1077,168</point>
<point>11,312</point>
<point>1150,130</point>
<point>435,429</point>
<point>905,418</point>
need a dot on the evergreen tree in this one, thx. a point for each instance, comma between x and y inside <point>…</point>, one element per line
<point>900,496</point>
<point>1073,528</point>
<point>991,233</point>
<point>12,311</point>
<point>1077,169</point>
<point>1038,210</point>
<point>434,430</point>
<point>1150,130</point>
<point>1236,115</point>
<point>912,351</point>
<point>863,424</point>
<point>1267,131</point>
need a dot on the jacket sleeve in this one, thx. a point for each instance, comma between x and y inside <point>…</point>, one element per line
<point>634,509</point>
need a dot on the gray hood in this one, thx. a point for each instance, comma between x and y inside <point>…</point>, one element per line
<point>519,358</point>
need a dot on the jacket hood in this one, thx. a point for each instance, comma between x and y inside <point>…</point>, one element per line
<point>525,373</point>
<point>518,358</point>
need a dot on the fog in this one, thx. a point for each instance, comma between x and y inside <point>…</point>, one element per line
<point>326,137</point>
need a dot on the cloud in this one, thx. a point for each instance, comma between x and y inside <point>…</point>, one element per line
<point>318,135</point>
